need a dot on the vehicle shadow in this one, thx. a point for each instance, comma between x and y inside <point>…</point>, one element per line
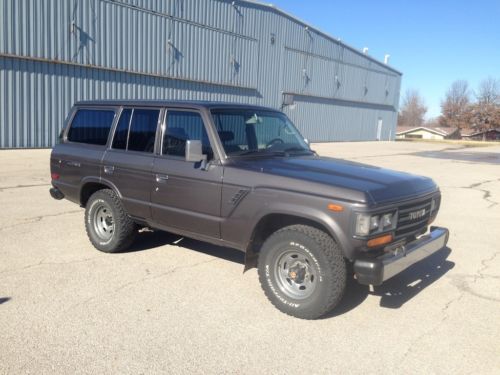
<point>464,156</point>
<point>152,239</point>
<point>4,299</point>
<point>395,292</point>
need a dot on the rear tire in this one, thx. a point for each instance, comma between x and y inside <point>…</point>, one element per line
<point>108,225</point>
<point>302,271</point>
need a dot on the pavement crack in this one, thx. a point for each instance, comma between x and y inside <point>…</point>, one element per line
<point>43,263</point>
<point>148,277</point>
<point>2,188</point>
<point>486,192</point>
<point>464,286</point>
<point>36,219</point>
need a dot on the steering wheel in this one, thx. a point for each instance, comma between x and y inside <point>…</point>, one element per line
<point>274,141</point>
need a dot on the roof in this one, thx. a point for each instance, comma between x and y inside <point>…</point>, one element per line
<point>178,103</point>
<point>439,131</point>
<point>474,132</point>
<point>310,27</point>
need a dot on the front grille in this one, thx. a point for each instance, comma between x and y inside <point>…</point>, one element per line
<point>411,225</point>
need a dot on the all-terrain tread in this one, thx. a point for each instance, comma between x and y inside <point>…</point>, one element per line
<point>125,227</point>
<point>335,261</point>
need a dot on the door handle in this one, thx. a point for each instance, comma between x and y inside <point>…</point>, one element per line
<point>109,169</point>
<point>161,178</point>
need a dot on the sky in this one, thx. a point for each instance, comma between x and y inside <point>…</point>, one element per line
<point>433,43</point>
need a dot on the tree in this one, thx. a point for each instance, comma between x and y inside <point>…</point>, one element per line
<point>489,92</point>
<point>455,106</point>
<point>413,110</point>
<point>485,113</point>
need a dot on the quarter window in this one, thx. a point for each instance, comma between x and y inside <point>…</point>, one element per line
<point>91,126</point>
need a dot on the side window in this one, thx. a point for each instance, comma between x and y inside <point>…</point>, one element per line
<point>232,132</point>
<point>121,132</point>
<point>91,126</point>
<point>143,130</point>
<point>181,126</point>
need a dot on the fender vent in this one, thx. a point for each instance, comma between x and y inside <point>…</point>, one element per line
<point>238,197</point>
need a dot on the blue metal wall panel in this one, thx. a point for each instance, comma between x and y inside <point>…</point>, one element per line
<point>54,52</point>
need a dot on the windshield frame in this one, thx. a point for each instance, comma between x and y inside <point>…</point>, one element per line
<point>261,152</point>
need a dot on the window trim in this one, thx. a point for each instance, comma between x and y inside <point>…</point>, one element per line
<point>98,108</point>
<point>165,126</point>
<point>159,123</point>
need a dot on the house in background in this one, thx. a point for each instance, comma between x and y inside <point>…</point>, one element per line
<point>422,132</point>
<point>485,135</point>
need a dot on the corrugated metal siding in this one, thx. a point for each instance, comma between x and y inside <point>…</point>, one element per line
<point>53,53</point>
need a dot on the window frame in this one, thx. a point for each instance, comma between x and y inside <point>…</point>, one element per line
<point>116,111</point>
<point>159,124</point>
<point>207,126</point>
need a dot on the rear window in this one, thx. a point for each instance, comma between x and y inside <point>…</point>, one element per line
<point>91,126</point>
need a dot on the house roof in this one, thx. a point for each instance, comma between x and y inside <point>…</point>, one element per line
<point>439,131</point>
<point>474,132</point>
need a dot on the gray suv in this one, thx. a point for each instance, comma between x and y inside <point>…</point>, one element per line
<point>242,176</point>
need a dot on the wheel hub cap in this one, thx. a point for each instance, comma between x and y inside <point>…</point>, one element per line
<point>296,275</point>
<point>104,225</point>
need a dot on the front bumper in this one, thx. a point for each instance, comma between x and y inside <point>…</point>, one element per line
<point>376,271</point>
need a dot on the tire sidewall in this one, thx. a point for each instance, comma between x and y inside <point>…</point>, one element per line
<point>94,202</point>
<point>301,243</point>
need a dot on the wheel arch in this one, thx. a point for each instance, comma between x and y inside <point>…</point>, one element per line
<point>91,185</point>
<point>271,222</point>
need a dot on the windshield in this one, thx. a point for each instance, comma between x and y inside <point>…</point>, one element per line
<point>254,132</point>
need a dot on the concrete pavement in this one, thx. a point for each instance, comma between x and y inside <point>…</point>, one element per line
<point>180,306</point>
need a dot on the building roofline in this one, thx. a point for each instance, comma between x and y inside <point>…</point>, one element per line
<point>180,103</point>
<point>326,35</point>
<point>438,132</point>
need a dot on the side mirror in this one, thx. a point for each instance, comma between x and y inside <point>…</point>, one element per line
<point>194,152</point>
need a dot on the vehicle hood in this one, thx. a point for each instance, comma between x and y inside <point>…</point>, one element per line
<point>380,184</point>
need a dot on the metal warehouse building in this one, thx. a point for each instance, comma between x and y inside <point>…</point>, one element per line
<point>53,53</point>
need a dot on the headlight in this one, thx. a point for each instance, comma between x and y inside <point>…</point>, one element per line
<point>362,224</point>
<point>367,224</point>
<point>433,204</point>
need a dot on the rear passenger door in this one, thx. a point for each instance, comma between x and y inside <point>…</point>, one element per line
<point>128,162</point>
<point>184,195</point>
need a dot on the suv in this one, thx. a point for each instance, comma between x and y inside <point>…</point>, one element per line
<point>242,176</point>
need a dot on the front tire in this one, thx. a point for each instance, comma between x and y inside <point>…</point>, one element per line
<point>302,271</point>
<point>108,225</point>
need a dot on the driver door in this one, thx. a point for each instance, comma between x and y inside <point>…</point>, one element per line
<point>184,196</point>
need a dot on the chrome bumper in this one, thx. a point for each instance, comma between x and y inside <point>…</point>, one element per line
<point>376,271</point>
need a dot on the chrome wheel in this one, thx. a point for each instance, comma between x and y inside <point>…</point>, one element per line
<point>104,225</point>
<point>295,274</point>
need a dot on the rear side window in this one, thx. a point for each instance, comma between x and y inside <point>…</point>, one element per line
<point>136,130</point>
<point>121,132</point>
<point>91,126</point>
<point>142,131</point>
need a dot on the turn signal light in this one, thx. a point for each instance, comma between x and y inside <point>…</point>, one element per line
<point>378,241</point>
<point>335,207</point>
<point>55,176</point>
